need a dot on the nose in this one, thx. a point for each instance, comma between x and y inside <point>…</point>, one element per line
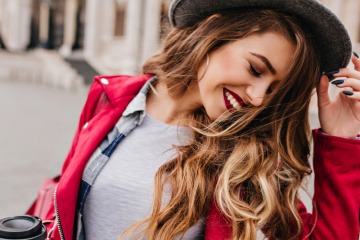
<point>257,93</point>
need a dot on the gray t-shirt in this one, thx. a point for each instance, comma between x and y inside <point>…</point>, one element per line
<point>122,193</point>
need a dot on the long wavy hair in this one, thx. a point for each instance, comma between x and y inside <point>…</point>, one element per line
<point>251,162</point>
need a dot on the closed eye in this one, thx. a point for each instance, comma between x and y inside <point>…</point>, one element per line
<point>254,71</point>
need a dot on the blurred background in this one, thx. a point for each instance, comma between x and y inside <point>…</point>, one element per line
<point>49,52</point>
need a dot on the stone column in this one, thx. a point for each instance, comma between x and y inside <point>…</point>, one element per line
<point>133,35</point>
<point>44,26</point>
<point>336,6</point>
<point>71,7</point>
<point>112,54</point>
<point>1,13</point>
<point>93,28</point>
<point>108,20</point>
<point>150,40</point>
<point>351,19</point>
<point>16,24</point>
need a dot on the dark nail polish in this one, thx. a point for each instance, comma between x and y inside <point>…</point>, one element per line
<point>338,82</point>
<point>348,93</point>
<point>356,55</point>
<point>332,72</point>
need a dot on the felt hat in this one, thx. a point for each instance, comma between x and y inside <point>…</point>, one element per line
<point>330,35</point>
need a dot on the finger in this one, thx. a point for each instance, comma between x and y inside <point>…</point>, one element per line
<point>352,94</point>
<point>322,91</point>
<point>356,61</point>
<point>348,73</point>
<point>347,82</point>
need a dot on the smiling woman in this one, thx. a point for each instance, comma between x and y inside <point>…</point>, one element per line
<point>212,142</point>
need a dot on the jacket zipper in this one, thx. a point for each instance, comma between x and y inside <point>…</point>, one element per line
<point>57,216</point>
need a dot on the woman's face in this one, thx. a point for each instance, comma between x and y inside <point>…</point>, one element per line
<point>243,72</point>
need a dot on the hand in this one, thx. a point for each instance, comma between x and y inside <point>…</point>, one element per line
<point>341,117</point>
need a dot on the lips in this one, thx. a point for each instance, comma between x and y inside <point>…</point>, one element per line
<point>232,100</point>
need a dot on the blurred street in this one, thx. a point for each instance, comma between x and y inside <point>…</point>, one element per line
<point>37,123</point>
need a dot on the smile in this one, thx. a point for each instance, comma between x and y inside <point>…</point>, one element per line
<point>232,100</point>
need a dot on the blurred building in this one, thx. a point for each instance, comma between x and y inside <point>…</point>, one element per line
<point>107,36</point>
<point>112,36</point>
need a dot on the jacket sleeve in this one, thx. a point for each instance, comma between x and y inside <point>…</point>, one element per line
<point>337,190</point>
<point>336,199</point>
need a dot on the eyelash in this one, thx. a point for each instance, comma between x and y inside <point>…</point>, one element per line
<point>254,72</point>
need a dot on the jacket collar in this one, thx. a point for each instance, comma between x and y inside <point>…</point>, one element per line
<point>138,104</point>
<point>118,86</point>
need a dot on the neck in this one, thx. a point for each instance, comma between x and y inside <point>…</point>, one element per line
<point>163,107</point>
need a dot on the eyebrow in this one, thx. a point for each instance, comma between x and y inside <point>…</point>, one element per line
<point>266,62</point>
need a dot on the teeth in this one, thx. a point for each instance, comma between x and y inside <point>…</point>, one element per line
<point>236,106</point>
<point>233,101</point>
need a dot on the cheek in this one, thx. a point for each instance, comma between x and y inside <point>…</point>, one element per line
<point>213,102</point>
<point>206,84</point>
<point>206,95</point>
<point>233,73</point>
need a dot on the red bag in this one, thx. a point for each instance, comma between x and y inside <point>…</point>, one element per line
<point>44,200</point>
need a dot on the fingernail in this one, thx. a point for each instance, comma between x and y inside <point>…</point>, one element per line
<point>356,55</point>
<point>348,93</point>
<point>338,82</point>
<point>333,72</point>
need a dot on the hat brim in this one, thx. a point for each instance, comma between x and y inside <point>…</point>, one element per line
<point>330,35</point>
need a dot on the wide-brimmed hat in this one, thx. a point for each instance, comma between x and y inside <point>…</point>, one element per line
<point>330,35</point>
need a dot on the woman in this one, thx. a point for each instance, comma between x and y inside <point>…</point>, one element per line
<point>213,142</point>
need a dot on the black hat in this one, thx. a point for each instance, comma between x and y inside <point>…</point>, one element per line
<point>330,35</point>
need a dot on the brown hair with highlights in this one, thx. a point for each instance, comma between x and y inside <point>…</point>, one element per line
<point>253,161</point>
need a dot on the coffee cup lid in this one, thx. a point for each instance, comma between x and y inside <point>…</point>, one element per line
<point>24,227</point>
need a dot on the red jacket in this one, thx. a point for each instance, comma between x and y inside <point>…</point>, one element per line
<point>336,165</point>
